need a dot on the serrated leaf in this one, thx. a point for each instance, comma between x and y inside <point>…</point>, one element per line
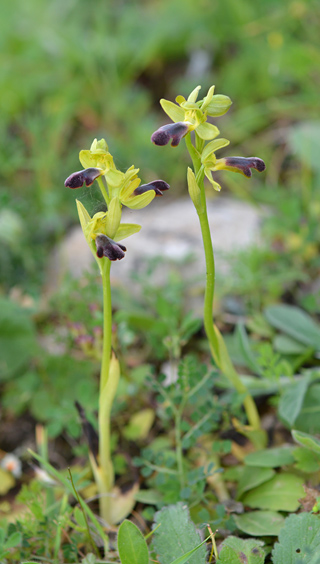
<point>176,536</point>
<point>172,110</point>
<point>239,551</point>
<point>307,441</point>
<point>252,477</point>
<point>132,547</point>
<point>260,523</point>
<point>270,457</point>
<point>281,493</point>
<point>299,540</point>
<point>292,399</point>
<point>294,322</point>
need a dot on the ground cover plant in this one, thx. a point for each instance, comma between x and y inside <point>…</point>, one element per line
<point>196,455</point>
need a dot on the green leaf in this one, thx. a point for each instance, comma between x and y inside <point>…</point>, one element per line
<point>292,399</point>
<point>149,497</point>
<point>307,441</point>
<point>270,457</point>
<point>286,345</point>
<point>172,110</point>
<point>17,338</point>
<point>252,477</point>
<point>260,523</point>
<point>281,493</point>
<point>183,559</point>
<point>245,348</point>
<point>299,540</point>
<point>239,551</point>
<point>132,547</point>
<point>306,460</point>
<point>177,535</point>
<point>294,322</point>
<point>308,419</point>
<point>13,540</point>
<point>218,105</point>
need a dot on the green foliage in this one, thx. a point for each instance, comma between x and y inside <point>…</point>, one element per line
<point>237,551</point>
<point>50,392</point>
<point>17,337</point>
<point>176,536</point>
<point>281,493</point>
<point>260,523</point>
<point>132,547</point>
<point>299,540</point>
<point>295,323</point>
<point>270,458</point>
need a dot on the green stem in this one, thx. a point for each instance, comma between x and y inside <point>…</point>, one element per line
<point>217,346</point>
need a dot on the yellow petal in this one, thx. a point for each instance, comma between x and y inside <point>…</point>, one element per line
<point>207,131</point>
<point>212,147</point>
<point>215,184</point>
<point>172,110</point>
<point>114,177</point>
<point>128,188</point>
<point>194,94</point>
<point>126,230</point>
<point>138,202</point>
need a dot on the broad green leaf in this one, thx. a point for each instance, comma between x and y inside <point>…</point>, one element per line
<point>207,131</point>
<point>299,540</point>
<point>176,536</point>
<point>13,540</point>
<point>252,477</point>
<point>213,146</point>
<point>17,338</point>
<point>292,399</point>
<point>307,441</point>
<point>149,497</point>
<point>218,105</point>
<point>172,110</point>
<point>281,493</point>
<point>306,460</point>
<point>260,523</point>
<point>132,547</point>
<point>286,345</point>
<point>308,419</point>
<point>295,323</point>
<point>239,551</point>
<point>270,457</point>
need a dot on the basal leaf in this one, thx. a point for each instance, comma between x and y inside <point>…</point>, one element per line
<point>239,551</point>
<point>270,457</point>
<point>252,477</point>
<point>292,399</point>
<point>281,493</point>
<point>294,322</point>
<point>132,547</point>
<point>308,419</point>
<point>176,536</point>
<point>307,441</point>
<point>260,523</point>
<point>299,540</point>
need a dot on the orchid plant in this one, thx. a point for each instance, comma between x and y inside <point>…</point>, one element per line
<point>191,115</point>
<point>103,232</point>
